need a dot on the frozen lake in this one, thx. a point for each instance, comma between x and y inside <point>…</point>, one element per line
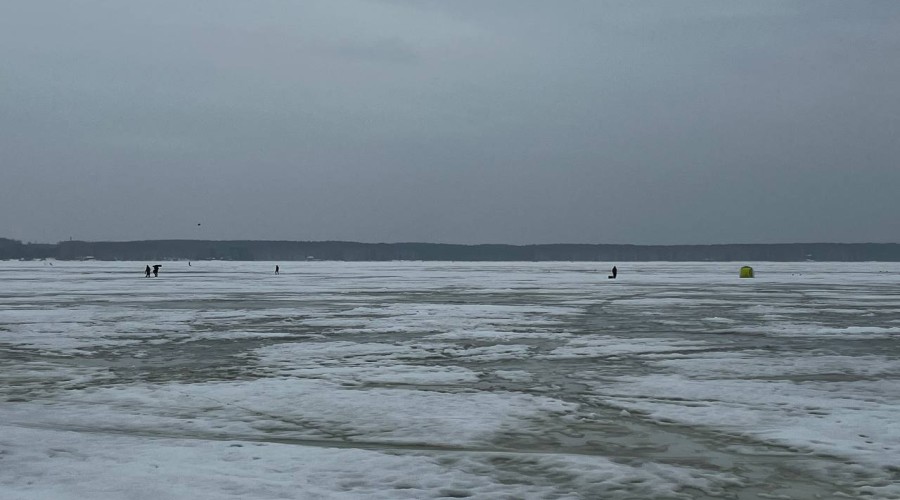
<point>429,380</point>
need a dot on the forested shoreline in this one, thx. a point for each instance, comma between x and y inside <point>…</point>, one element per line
<point>355,251</point>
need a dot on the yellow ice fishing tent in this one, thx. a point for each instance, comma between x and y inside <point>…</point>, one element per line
<point>746,272</point>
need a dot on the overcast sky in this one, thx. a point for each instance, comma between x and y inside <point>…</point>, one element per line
<point>461,122</point>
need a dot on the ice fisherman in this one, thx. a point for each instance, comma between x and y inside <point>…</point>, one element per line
<point>614,273</point>
<point>156,270</point>
<point>276,269</point>
<point>147,272</point>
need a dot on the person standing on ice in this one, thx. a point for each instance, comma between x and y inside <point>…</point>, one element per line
<point>156,270</point>
<point>147,272</point>
<point>276,269</point>
<point>614,273</point>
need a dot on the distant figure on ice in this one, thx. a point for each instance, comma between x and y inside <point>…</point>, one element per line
<point>156,270</point>
<point>147,272</point>
<point>614,273</point>
<point>276,269</point>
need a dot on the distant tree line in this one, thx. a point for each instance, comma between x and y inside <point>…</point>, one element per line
<point>353,251</point>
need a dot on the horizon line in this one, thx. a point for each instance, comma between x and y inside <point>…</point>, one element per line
<point>456,244</point>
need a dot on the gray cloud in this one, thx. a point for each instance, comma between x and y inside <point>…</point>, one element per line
<point>518,122</point>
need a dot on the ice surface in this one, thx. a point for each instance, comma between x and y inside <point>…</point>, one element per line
<point>428,380</point>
